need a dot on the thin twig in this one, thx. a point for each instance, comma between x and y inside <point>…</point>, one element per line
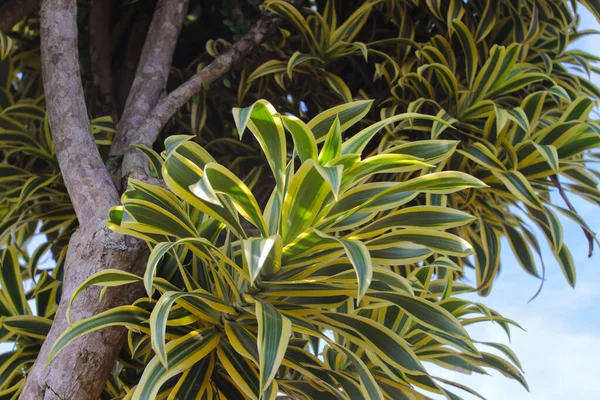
<point>588,235</point>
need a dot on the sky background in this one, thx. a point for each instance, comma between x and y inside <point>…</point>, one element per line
<point>561,348</point>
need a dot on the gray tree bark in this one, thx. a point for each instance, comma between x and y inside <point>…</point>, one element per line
<point>152,71</point>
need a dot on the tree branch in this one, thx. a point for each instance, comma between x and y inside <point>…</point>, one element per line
<point>80,371</point>
<point>167,107</point>
<point>14,11</point>
<point>88,183</point>
<point>152,72</point>
<point>100,55</point>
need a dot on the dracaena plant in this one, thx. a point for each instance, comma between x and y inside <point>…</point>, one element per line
<point>296,296</point>
<point>499,72</point>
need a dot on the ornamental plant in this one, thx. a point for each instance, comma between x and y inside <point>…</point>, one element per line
<point>298,297</point>
<point>499,72</point>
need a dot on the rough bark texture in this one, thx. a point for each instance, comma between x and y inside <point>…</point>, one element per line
<point>14,11</point>
<point>81,370</point>
<point>82,168</point>
<point>152,72</point>
<point>168,106</point>
<point>100,55</point>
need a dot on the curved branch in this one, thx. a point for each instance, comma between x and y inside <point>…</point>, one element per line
<point>14,11</point>
<point>153,70</point>
<point>167,107</point>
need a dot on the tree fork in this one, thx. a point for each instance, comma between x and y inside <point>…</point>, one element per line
<point>134,162</point>
<point>81,370</point>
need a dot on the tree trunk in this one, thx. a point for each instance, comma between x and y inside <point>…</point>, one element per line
<point>81,369</point>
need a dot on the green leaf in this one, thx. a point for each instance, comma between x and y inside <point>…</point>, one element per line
<point>358,142</point>
<point>430,151</point>
<point>352,26</point>
<point>483,156</point>
<point>10,279</point>
<point>262,120</point>
<point>304,141</point>
<point>290,13</point>
<point>470,50</point>
<point>218,179</point>
<point>333,143</point>
<point>195,381</point>
<point>566,263</point>
<point>519,186</point>
<point>521,250</point>
<point>374,337</point>
<point>356,251</point>
<point>549,153</point>
<point>296,59</point>
<point>263,256</point>
<point>104,278</point>
<point>241,371</point>
<point>426,313</point>
<point>160,315</point>
<point>306,192</point>
<point>348,114</point>
<point>30,326</point>
<point>268,68</point>
<point>369,386</point>
<point>156,161</point>
<point>132,317</point>
<point>183,352</point>
<point>273,336</point>
<point>424,217</point>
<point>441,242</point>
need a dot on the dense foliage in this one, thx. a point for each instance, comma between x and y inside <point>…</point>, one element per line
<point>431,130</point>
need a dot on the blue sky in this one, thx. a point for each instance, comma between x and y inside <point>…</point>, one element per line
<point>561,348</point>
